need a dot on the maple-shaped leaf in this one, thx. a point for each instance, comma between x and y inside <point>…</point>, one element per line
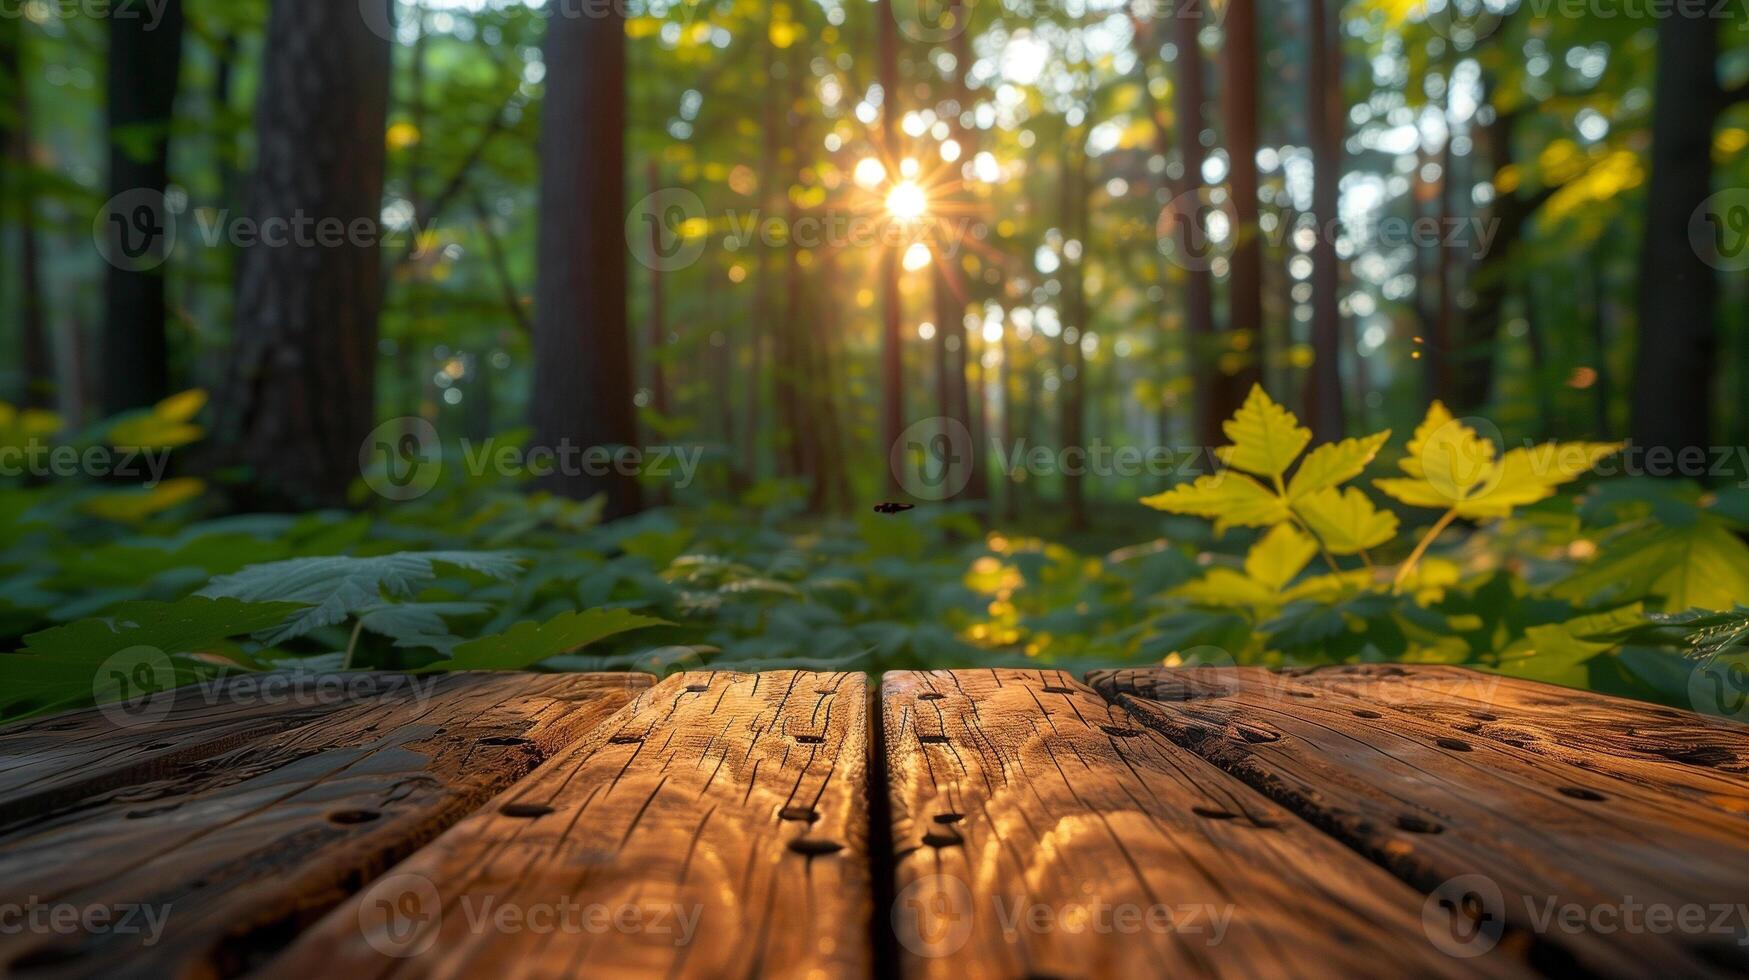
<point>1282,554</point>
<point>1229,499</point>
<point>1346,521</point>
<point>1452,467</point>
<point>1334,464</point>
<point>1266,437</point>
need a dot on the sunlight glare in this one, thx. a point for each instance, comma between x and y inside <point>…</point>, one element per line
<point>907,202</point>
<point>869,174</point>
<point>917,257</point>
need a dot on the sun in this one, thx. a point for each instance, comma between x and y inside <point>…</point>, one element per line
<point>907,202</point>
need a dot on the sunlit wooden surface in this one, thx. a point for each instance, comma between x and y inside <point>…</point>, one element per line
<point>1376,820</point>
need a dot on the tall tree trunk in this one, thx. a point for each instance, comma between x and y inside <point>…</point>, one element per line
<point>36,359</point>
<point>1245,283</point>
<point>1073,376</point>
<point>145,62</point>
<point>299,396</point>
<point>1674,378</point>
<point>1325,115</point>
<point>582,342</point>
<point>1199,292</point>
<point>892,301</point>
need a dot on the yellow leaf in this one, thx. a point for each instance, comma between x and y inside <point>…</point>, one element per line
<point>1347,522</point>
<point>1526,476</point>
<point>1329,588</point>
<point>1430,580</point>
<point>1266,437</point>
<point>1415,493</point>
<point>638,28</point>
<point>182,407</point>
<point>1282,554</point>
<point>134,506</point>
<point>1227,588</point>
<point>1229,499</point>
<point>1334,464</point>
<point>1453,457</point>
<point>402,135</point>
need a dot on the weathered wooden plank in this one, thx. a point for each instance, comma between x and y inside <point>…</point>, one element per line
<point>1566,858</point>
<point>53,762</point>
<point>224,856</point>
<point>716,828</point>
<point>1701,758</point>
<point>1039,831</point>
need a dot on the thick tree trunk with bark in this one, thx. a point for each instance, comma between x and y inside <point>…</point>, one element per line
<point>583,372</point>
<point>1674,380</point>
<point>299,396</point>
<point>1325,116</point>
<point>1239,65</point>
<point>145,62</point>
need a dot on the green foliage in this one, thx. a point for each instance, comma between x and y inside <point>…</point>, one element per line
<point>1560,590</point>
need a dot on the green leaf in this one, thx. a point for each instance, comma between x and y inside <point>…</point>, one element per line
<point>336,588</point>
<point>419,624</point>
<point>1705,566</point>
<point>526,644</point>
<point>1266,437</point>
<point>59,667</point>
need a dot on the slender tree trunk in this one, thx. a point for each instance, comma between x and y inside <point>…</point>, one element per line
<point>1675,375</point>
<point>1073,379</point>
<point>658,324</point>
<point>299,396</point>
<point>36,358</point>
<point>1199,293</point>
<point>1325,116</point>
<point>1245,283</point>
<point>145,61</point>
<point>892,301</point>
<point>582,343</point>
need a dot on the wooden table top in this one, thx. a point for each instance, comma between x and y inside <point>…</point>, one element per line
<point>1376,820</point>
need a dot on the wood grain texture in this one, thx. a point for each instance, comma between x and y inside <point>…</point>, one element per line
<point>53,762</point>
<point>1701,758</point>
<point>235,849</point>
<point>1039,831</point>
<point>1419,793</point>
<point>715,828</point>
